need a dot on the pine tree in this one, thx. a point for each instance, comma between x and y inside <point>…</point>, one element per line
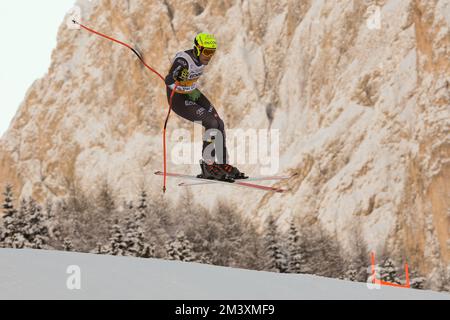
<point>204,258</point>
<point>171,250</point>
<point>14,225</point>
<point>8,206</point>
<point>35,230</point>
<point>85,219</point>
<point>117,245</point>
<point>180,249</point>
<point>17,239</point>
<point>155,228</point>
<point>99,249</point>
<point>80,220</point>
<point>351,274</point>
<point>186,250</point>
<point>105,200</point>
<point>143,201</point>
<point>360,256</point>
<point>8,229</point>
<point>388,272</point>
<point>417,282</point>
<point>228,243</point>
<point>104,210</point>
<point>148,251</point>
<point>54,231</point>
<point>275,257</point>
<point>67,245</point>
<point>333,261</point>
<point>322,252</point>
<point>296,261</point>
<point>161,211</point>
<point>129,236</point>
<point>136,243</point>
<point>49,214</point>
<point>221,237</point>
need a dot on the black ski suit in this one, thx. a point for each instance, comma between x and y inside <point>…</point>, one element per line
<point>199,110</point>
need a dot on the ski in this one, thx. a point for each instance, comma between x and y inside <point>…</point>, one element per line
<point>235,183</point>
<point>266,178</point>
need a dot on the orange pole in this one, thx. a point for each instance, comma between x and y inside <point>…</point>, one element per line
<point>151,69</point>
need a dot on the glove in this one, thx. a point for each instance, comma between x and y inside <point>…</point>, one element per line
<point>182,75</point>
<point>194,95</point>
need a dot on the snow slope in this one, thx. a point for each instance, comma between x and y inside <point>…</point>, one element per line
<point>32,274</point>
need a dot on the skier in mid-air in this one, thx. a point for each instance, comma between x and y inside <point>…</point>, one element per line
<point>189,103</point>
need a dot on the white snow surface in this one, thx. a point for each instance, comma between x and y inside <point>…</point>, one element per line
<point>39,274</point>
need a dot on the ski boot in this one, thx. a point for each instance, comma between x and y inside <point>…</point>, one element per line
<point>213,172</point>
<point>233,172</point>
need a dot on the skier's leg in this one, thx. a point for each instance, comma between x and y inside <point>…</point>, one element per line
<point>213,139</point>
<point>220,142</point>
<point>202,111</point>
<point>215,129</point>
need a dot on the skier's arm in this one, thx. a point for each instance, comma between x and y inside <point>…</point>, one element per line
<point>178,71</point>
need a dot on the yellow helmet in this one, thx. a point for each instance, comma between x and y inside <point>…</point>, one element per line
<point>205,43</point>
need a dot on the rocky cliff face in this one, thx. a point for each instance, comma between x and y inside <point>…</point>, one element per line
<point>361,104</point>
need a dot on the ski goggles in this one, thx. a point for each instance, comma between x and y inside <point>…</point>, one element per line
<point>208,52</point>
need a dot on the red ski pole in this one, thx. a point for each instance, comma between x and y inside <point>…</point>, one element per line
<point>151,69</point>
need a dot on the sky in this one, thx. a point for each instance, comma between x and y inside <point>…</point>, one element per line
<point>28,30</point>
